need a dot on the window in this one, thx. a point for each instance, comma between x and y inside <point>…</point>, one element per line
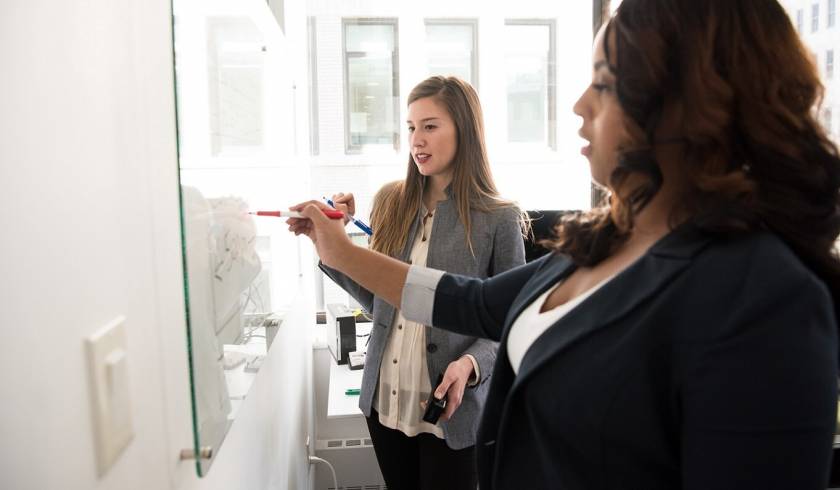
<point>452,49</point>
<point>800,20</point>
<point>815,17</point>
<point>829,64</point>
<point>832,12</point>
<point>235,52</point>
<point>530,65</point>
<point>371,84</point>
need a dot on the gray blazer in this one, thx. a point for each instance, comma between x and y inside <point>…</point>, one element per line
<point>498,246</point>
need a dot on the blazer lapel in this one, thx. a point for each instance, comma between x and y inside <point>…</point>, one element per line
<point>405,255</point>
<point>557,268</point>
<point>643,279</point>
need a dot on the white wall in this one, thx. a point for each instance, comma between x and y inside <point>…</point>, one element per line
<point>88,179</point>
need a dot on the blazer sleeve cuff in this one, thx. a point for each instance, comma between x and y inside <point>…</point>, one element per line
<point>418,296</point>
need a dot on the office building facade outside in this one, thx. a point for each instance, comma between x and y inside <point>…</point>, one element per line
<point>819,26</point>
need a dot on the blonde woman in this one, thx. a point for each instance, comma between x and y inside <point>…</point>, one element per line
<point>446,214</point>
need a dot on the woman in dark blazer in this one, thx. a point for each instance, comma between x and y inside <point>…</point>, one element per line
<point>683,335</point>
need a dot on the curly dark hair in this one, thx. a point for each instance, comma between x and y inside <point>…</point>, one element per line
<point>756,158</point>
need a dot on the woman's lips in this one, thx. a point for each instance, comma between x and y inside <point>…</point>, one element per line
<point>422,157</point>
<point>586,150</point>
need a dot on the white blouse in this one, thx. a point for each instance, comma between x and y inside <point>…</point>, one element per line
<point>530,324</point>
<point>404,373</point>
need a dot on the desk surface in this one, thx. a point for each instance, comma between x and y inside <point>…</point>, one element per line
<point>342,378</point>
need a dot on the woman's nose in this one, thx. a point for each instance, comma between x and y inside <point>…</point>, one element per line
<point>579,108</point>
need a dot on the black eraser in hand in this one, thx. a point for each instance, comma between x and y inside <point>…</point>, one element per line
<point>434,406</point>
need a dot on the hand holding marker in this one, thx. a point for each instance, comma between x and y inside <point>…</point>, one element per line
<point>359,224</point>
<point>295,214</point>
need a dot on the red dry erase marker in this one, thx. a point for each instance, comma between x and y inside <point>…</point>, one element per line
<point>329,213</point>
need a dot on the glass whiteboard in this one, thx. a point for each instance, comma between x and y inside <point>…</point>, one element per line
<point>236,145</point>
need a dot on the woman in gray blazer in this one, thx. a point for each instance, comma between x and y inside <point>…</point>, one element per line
<point>446,214</point>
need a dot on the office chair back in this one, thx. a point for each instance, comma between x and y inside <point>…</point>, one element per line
<point>542,227</point>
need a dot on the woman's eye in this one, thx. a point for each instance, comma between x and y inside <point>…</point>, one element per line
<point>410,129</point>
<point>429,127</point>
<point>601,87</point>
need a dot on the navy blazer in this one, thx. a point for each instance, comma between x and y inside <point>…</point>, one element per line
<point>709,363</point>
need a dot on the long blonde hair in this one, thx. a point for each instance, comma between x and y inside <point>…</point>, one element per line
<point>396,204</point>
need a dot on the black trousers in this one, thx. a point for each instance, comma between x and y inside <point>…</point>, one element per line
<point>422,462</point>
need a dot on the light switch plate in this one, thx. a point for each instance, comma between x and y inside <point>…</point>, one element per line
<point>108,366</point>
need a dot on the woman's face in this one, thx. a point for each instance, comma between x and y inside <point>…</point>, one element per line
<point>432,136</point>
<point>603,118</point>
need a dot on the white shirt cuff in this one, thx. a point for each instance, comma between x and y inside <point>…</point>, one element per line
<point>418,296</point>
<point>476,374</point>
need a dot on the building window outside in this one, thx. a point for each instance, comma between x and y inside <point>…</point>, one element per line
<point>831,14</point>
<point>815,17</point>
<point>452,48</point>
<point>371,77</point>
<point>800,20</point>
<point>531,81</point>
<point>826,71</point>
<point>235,73</point>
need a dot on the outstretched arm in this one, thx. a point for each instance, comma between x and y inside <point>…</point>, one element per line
<point>360,294</point>
<point>460,304</point>
<point>378,273</point>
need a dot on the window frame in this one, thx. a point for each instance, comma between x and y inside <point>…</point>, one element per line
<point>314,95</point>
<point>349,147</point>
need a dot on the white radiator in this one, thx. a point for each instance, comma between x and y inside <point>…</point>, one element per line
<point>354,462</point>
